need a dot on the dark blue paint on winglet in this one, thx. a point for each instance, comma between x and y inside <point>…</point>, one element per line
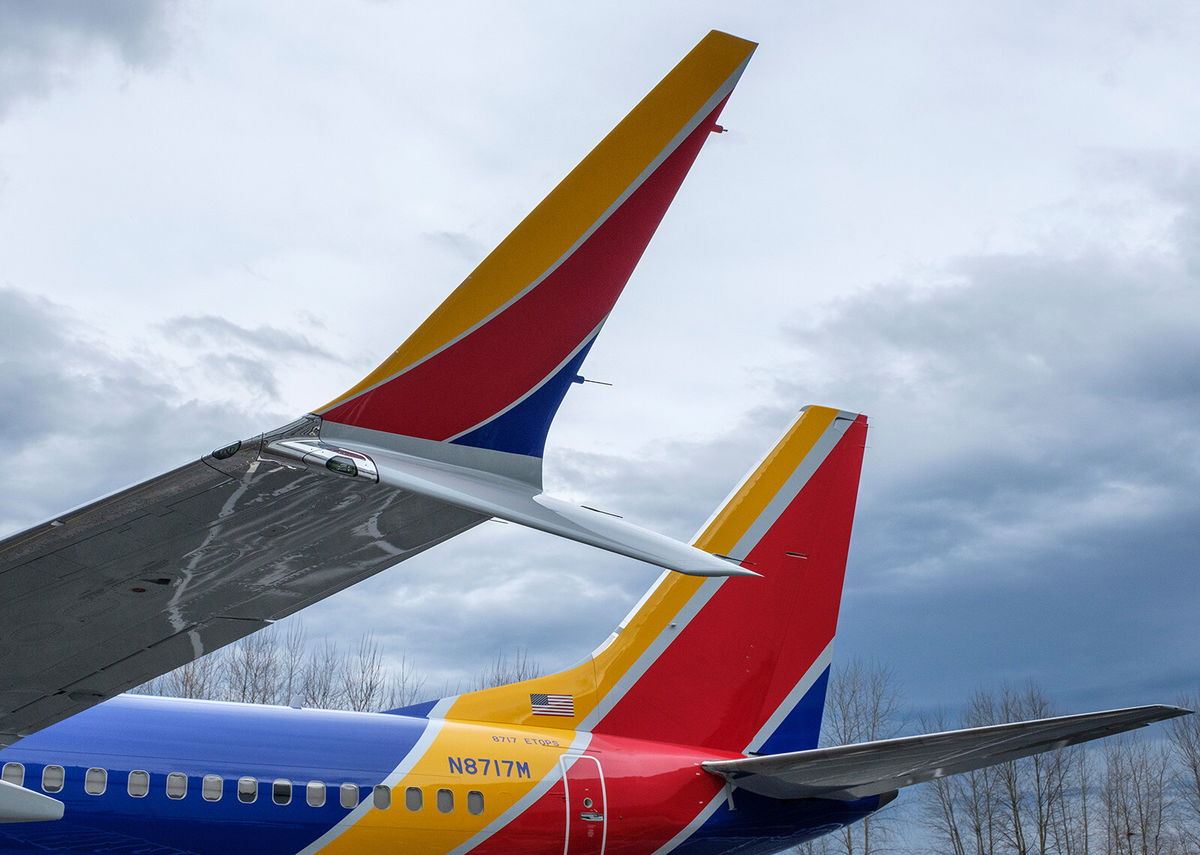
<point>523,429</point>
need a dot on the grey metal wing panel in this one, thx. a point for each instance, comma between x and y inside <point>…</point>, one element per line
<point>107,596</point>
<point>871,768</point>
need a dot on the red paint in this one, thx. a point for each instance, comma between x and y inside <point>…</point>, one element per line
<point>489,369</point>
<point>652,791</point>
<point>735,663</point>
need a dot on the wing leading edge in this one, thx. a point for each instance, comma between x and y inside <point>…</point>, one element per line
<point>849,772</point>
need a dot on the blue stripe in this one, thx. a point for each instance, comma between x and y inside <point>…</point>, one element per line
<point>523,429</point>
<point>801,728</point>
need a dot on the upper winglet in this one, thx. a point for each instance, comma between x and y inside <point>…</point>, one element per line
<point>490,367</point>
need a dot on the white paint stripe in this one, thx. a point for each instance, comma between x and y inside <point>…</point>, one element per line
<point>791,487</point>
<point>579,744</point>
<point>709,105</point>
<point>750,473</point>
<point>650,655</point>
<point>588,339</point>
<point>692,827</point>
<point>418,750</point>
<point>709,809</point>
<point>637,607</point>
<point>794,697</point>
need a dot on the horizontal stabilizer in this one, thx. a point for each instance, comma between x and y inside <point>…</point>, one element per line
<point>850,772</point>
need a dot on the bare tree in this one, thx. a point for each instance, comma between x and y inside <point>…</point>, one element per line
<point>1185,741</point>
<point>252,669</point>
<point>863,705</point>
<point>362,676</point>
<point>322,686</point>
<point>1137,798</point>
<point>508,668</point>
<point>961,809</point>
<point>405,686</point>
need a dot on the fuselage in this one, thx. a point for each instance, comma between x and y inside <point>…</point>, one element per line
<point>155,775</point>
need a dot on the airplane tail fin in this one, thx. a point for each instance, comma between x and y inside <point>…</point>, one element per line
<point>479,382</point>
<point>738,664</point>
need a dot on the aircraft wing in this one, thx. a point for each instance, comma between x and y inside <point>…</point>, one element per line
<point>849,772</point>
<point>447,432</point>
<point>105,597</point>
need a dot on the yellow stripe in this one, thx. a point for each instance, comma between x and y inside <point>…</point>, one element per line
<point>431,832</point>
<point>757,491</point>
<point>574,205</point>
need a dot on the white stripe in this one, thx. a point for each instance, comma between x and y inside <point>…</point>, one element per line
<point>587,340</point>
<point>434,727</point>
<point>691,125</point>
<point>789,703</point>
<point>692,827</point>
<point>775,507</point>
<point>792,486</point>
<point>794,697</point>
<point>650,655</point>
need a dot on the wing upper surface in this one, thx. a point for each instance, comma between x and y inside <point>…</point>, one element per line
<point>871,768</point>
<point>105,597</point>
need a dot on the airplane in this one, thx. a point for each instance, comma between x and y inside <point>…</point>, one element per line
<point>693,728</point>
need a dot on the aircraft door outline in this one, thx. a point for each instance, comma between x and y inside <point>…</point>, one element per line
<point>586,801</point>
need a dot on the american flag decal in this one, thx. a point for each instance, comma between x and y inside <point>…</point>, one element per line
<point>552,704</point>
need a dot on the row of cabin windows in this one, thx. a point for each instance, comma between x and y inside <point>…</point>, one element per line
<point>95,782</point>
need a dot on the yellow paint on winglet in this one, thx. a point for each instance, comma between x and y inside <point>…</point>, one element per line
<point>574,205</point>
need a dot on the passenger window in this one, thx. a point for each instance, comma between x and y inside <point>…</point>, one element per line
<point>281,791</point>
<point>14,773</point>
<point>176,785</point>
<point>95,782</point>
<point>139,783</point>
<point>52,779</point>
<point>211,788</point>
<point>315,793</point>
<point>349,796</point>
<point>445,801</point>
<point>247,790</point>
<point>382,797</point>
<point>475,802</point>
<point>413,798</point>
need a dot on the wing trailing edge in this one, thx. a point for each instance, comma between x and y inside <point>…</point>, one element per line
<point>849,772</point>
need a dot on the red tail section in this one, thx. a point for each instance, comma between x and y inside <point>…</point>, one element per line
<point>738,664</point>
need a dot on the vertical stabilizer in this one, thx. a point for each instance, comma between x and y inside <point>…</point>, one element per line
<point>739,664</point>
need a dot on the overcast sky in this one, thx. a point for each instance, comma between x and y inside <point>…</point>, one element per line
<point>978,224</point>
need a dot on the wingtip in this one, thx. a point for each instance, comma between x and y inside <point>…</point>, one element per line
<point>731,38</point>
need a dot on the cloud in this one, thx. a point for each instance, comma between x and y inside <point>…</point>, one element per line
<point>199,330</point>
<point>459,244</point>
<point>91,417</point>
<point>43,44</point>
